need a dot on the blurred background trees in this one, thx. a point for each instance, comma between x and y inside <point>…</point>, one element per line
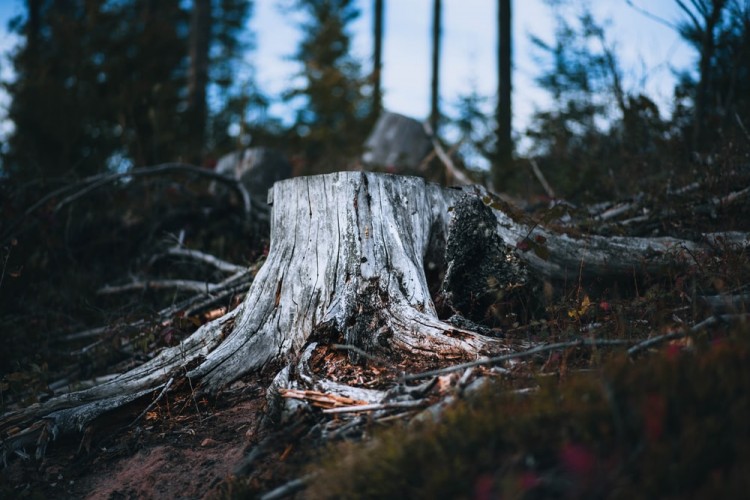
<point>105,85</point>
<point>333,115</point>
<point>101,85</point>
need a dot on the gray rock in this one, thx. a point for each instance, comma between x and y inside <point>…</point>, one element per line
<point>397,144</point>
<point>258,169</point>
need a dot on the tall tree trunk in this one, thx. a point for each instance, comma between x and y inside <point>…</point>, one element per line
<point>504,87</point>
<point>33,27</point>
<point>200,40</point>
<point>377,59</point>
<point>710,12</point>
<point>435,84</point>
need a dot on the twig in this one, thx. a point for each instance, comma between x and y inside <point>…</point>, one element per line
<point>376,406</point>
<point>165,168</point>
<point>209,259</point>
<point>652,16</point>
<point>289,488</point>
<point>733,196</point>
<point>361,352</point>
<point>153,403</point>
<point>726,302</point>
<point>540,177</point>
<point>522,354</point>
<point>337,433</point>
<point>685,332</point>
<point>189,306</point>
<point>444,158</point>
<point>90,183</point>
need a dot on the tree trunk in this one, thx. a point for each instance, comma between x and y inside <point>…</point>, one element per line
<point>435,83</point>
<point>347,265</point>
<point>377,58</point>
<point>200,40</point>
<point>504,86</point>
<point>347,259</point>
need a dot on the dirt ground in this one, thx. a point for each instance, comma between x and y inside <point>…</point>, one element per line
<point>181,448</point>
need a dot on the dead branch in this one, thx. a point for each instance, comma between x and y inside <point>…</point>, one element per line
<point>710,321</point>
<point>185,285</point>
<point>289,488</point>
<point>517,355</point>
<point>455,172</point>
<point>377,406</point>
<point>209,259</point>
<point>153,403</point>
<point>540,177</point>
<point>73,192</point>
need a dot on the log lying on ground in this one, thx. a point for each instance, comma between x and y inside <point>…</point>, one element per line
<point>347,264</point>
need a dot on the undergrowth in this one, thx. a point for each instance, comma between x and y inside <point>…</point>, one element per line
<point>671,426</point>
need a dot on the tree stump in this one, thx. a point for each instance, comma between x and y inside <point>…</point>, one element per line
<point>347,257</point>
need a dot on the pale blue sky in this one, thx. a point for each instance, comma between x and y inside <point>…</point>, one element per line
<point>649,51</point>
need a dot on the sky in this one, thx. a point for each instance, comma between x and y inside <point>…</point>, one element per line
<point>649,51</point>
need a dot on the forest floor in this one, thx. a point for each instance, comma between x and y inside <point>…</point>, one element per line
<point>187,446</point>
<point>179,449</point>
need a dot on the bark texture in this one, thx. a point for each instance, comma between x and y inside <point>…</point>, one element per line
<point>348,257</point>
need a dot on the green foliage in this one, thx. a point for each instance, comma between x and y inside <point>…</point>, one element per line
<point>674,426</point>
<point>334,115</point>
<point>94,80</point>
<point>102,85</point>
<point>595,133</point>
<point>728,75</point>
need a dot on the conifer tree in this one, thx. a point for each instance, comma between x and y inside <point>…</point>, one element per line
<point>106,85</point>
<point>333,115</point>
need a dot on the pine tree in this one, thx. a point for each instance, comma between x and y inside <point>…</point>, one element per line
<point>377,57</point>
<point>334,115</point>
<point>96,81</point>
<point>108,85</point>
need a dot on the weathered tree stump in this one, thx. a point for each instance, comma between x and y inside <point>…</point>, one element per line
<point>347,255</point>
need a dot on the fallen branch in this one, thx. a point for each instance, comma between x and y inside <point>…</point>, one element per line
<point>542,180</point>
<point>377,406</point>
<point>522,354</point>
<point>185,285</point>
<point>713,320</point>
<point>209,259</point>
<point>320,399</point>
<point>88,184</point>
<point>457,174</point>
<point>153,403</point>
<point>289,488</point>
